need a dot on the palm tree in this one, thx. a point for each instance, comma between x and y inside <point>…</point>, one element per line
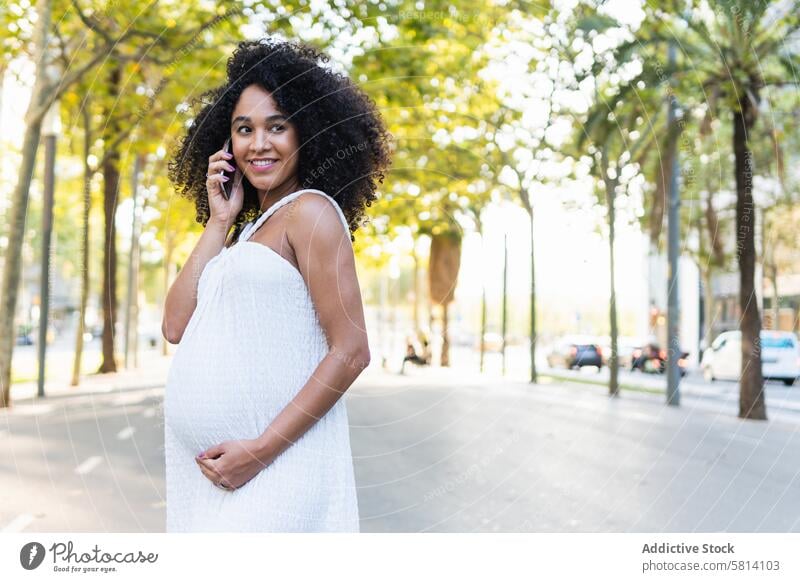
<point>615,138</point>
<point>614,144</point>
<point>732,53</point>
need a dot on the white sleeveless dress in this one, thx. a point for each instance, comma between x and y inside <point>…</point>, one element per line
<point>251,344</point>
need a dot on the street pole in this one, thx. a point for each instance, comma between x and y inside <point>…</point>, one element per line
<point>673,234</point>
<point>50,127</point>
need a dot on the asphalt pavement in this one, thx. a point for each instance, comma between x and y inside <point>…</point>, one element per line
<point>439,450</point>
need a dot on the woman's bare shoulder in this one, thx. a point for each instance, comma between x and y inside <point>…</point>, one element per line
<point>315,210</point>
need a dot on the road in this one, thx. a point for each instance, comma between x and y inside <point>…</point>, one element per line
<point>782,401</point>
<point>442,451</point>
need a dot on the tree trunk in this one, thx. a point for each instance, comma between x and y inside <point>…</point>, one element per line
<point>19,205</point>
<point>751,397</point>
<point>87,206</point>
<point>110,193</point>
<point>13,260</point>
<point>663,171</point>
<point>717,251</point>
<point>716,258</point>
<point>415,282</point>
<point>445,261</point>
<point>140,295</point>
<point>532,339</point>
<point>775,298</point>
<point>445,356</point>
<point>613,382</point>
<point>708,307</point>
<point>132,292</point>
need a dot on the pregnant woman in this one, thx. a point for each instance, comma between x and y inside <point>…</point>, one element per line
<point>269,319</point>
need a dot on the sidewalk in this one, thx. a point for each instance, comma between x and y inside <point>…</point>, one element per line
<point>151,373</point>
<point>153,370</point>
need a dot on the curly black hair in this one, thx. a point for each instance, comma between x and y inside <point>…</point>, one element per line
<point>344,144</point>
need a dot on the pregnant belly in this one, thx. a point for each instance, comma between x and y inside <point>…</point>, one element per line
<point>204,406</point>
<point>210,400</point>
<point>228,389</point>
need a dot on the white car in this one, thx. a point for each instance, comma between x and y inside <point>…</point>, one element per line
<point>780,357</point>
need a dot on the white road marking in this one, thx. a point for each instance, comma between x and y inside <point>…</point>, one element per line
<point>88,465</point>
<point>33,409</point>
<point>126,433</point>
<point>744,439</point>
<point>19,523</point>
<point>133,398</point>
<point>643,416</point>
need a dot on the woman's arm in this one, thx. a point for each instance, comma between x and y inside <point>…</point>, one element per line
<point>325,257</point>
<point>182,296</point>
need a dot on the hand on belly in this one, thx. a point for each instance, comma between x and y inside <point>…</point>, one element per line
<point>232,463</point>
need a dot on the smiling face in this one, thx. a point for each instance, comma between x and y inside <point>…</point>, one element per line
<point>265,144</point>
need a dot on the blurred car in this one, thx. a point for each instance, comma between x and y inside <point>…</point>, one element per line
<point>576,352</point>
<point>625,347</point>
<point>651,358</point>
<point>780,357</point>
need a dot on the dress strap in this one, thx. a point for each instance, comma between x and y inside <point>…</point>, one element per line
<point>250,228</point>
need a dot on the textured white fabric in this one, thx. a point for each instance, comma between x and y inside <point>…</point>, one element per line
<point>253,341</point>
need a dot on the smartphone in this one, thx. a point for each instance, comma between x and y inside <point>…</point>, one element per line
<point>227,187</point>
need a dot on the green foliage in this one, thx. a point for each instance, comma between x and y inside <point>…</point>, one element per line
<point>425,78</point>
<point>725,49</point>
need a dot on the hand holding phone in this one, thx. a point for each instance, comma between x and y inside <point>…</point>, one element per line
<point>227,187</point>
<point>224,185</point>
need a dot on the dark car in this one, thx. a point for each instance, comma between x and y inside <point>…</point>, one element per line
<point>576,354</point>
<point>652,358</point>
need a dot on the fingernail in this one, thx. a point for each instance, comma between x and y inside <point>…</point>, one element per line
<point>231,168</point>
<point>225,178</point>
<point>227,155</point>
<point>201,456</point>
